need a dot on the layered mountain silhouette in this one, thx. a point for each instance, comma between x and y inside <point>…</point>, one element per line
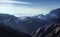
<point>53,28</point>
<point>31,24</point>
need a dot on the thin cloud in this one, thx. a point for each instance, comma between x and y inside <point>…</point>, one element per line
<point>15,2</point>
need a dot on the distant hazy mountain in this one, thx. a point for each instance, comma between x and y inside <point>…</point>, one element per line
<point>33,23</point>
<point>53,28</point>
<point>30,24</point>
<point>9,20</point>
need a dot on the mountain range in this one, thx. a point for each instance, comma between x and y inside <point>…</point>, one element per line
<point>30,24</point>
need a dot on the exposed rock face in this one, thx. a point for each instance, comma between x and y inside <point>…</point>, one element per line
<point>48,31</point>
<point>6,31</point>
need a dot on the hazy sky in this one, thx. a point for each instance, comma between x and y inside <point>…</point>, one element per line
<point>28,7</point>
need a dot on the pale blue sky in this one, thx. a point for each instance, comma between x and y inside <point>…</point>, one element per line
<point>28,7</point>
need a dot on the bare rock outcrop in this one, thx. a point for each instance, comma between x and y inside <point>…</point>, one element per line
<point>48,31</point>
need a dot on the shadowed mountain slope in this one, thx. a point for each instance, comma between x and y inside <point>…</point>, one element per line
<point>48,31</point>
<point>6,31</point>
